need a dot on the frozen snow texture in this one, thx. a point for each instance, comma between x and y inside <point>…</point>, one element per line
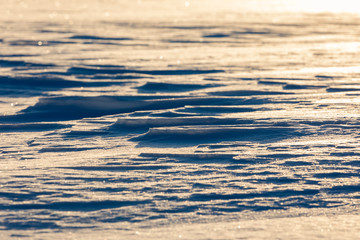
<point>128,125</point>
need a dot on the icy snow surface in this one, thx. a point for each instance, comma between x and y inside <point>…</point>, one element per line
<point>178,120</point>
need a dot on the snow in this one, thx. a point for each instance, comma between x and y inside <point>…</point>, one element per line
<point>178,120</point>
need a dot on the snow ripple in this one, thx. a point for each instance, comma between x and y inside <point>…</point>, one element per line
<point>135,124</point>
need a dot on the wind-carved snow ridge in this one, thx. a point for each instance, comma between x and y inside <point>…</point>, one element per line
<point>171,87</point>
<point>77,107</point>
<point>126,126</point>
<point>146,123</point>
<point>196,135</point>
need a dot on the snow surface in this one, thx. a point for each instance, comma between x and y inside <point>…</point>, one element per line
<point>178,120</point>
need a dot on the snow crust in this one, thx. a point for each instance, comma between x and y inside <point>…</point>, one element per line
<point>186,121</point>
